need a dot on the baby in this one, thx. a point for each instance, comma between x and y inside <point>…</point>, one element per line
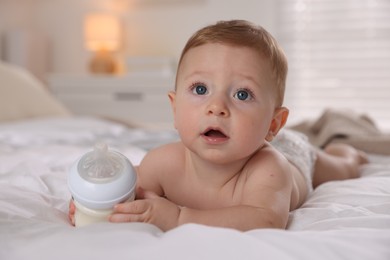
<point>233,166</point>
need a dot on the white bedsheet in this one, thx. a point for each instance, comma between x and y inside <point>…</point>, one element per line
<point>340,220</point>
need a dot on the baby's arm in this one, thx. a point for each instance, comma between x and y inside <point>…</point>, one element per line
<point>151,206</point>
<point>265,204</point>
<point>264,201</point>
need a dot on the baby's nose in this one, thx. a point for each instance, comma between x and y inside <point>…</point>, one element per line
<point>218,107</point>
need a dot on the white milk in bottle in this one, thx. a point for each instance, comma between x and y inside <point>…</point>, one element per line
<point>98,181</point>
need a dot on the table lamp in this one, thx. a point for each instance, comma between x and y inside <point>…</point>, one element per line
<point>102,36</point>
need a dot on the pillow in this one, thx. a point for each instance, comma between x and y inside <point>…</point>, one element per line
<point>24,96</point>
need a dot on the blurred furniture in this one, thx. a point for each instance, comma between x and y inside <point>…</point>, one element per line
<point>23,96</point>
<point>134,100</point>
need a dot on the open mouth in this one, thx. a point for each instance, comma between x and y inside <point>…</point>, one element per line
<point>214,133</point>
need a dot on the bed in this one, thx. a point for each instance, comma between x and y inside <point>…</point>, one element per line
<point>40,139</point>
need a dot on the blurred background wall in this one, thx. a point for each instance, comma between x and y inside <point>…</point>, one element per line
<point>151,27</point>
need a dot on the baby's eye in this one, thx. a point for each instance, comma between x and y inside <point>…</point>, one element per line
<point>243,95</point>
<point>199,89</point>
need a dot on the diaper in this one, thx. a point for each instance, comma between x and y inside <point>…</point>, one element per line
<point>298,151</point>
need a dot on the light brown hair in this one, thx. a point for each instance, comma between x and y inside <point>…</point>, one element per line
<point>244,33</point>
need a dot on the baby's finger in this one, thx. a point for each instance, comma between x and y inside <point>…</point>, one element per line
<point>133,207</point>
<point>120,218</point>
<point>150,195</point>
<point>72,211</point>
<point>72,207</point>
<point>72,220</point>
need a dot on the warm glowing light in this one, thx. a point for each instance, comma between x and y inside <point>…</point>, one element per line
<point>102,32</point>
<point>103,37</point>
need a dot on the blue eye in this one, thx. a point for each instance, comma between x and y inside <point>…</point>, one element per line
<point>199,89</point>
<point>243,95</point>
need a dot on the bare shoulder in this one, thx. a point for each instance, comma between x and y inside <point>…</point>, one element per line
<point>164,154</point>
<point>267,176</point>
<point>268,164</point>
<point>268,185</point>
<point>270,169</point>
<point>158,165</point>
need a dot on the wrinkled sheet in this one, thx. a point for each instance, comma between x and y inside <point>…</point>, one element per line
<point>340,220</point>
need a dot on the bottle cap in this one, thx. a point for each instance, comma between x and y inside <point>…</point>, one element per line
<point>102,178</point>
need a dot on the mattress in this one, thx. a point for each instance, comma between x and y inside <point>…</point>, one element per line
<point>340,220</point>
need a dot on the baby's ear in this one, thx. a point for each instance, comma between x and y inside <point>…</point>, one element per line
<point>172,96</point>
<point>172,99</point>
<point>278,121</point>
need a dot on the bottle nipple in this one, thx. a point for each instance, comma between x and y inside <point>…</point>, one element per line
<point>100,165</point>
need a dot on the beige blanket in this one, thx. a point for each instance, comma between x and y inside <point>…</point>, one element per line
<point>348,127</point>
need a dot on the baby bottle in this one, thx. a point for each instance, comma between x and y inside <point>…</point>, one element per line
<point>99,180</point>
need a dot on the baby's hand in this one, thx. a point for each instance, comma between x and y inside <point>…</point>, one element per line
<point>151,209</point>
<point>72,211</point>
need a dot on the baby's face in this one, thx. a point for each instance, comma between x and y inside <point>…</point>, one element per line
<point>223,105</point>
